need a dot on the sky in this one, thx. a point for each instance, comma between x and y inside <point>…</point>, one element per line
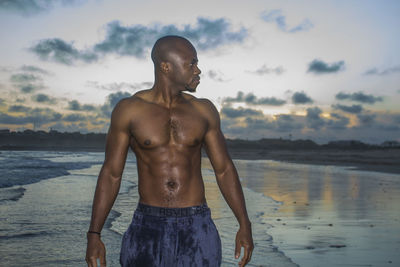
<point>306,69</point>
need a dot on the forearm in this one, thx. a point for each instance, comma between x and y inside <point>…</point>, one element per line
<point>231,189</point>
<point>106,192</point>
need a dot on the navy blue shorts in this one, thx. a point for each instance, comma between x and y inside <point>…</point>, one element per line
<point>171,237</point>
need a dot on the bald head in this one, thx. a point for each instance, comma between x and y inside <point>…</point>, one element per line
<point>169,46</point>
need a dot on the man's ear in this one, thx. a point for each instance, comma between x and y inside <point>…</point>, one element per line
<point>165,67</point>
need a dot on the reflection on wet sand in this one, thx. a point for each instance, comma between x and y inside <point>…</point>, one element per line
<point>326,207</point>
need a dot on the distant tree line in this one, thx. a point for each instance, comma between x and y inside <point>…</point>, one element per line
<point>55,140</point>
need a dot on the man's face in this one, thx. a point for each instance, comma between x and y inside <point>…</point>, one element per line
<point>195,79</point>
<point>186,70</point>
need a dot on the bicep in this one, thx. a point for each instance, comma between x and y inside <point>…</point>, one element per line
<point>215,144</point>
<point>117,144</point>
<point>217,151</point>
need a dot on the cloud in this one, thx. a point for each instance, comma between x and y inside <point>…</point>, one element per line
<point>387,71</point>
<point>42,98</point>
<point>373,127</point>
<point>314,119</point>
<point>30,68</point>
<point>36,116</point>
<point>26,82</point>
<point>34,7</point>
<point>301,98</point>
<point>349,109</point>
<point>29,88</point>
<point>240,112</point>
<point>98,119</point>
<point>19,108</point>
<point>74,118</point>
<point>396,119</point>
<point>5,69</point>
<point>76,106</point>
<point>366,119</point>
<point>263,70</point>
<point>216,76</point>
<point>251,99</point>
<point>111,101</point>
<point>135,40</point>
<point>258,124</point>
<point>338,122</point>
<point>48,117</point>
<point>275,16</point>
<point>62,52</point>
<point>24,78</point>
<point>119,86</point>
<point>359,97</point>
<point>287,123</point>
<point>319,67</point>
<point>379,123</point>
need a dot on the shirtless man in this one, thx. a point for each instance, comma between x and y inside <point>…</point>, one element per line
<point>166,128</point>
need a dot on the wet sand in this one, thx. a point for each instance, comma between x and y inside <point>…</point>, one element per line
<point>330,215</point>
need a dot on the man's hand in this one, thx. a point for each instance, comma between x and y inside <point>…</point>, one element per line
<point>95,249</point>
<point>244,239</point>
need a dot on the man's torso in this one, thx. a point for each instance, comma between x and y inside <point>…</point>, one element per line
<point>167,143</point>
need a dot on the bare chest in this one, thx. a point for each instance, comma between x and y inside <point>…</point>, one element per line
<point>176,126</point>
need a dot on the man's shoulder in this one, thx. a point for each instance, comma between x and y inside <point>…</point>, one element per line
<point>141,95</point>
<point>130,105</point>
<point>202,102</point>
<point>204,106</point>
<point>138,97</point>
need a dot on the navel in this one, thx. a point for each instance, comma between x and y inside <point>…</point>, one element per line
<point>171,185</point>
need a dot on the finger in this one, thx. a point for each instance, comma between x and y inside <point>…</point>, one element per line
<point>245,258</point>
<point>93,262</point>
<point>237,249</point>
<point>251,253</point>
<point>103,260</point>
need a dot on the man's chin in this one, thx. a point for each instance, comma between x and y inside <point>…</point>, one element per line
<point>191,89</point>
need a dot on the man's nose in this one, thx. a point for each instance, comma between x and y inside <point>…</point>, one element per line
<point>197,70</point>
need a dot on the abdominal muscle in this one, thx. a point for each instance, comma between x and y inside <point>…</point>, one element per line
<point>170,180</point>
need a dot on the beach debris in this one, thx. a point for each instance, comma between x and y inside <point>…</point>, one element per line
<point>330,224</point>
<point>310,247</point>
<point>278,220</point>
<point>337,246</point>
<point>371,225</point>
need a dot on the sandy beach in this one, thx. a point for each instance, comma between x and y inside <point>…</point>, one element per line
<point>302,214</point>
<point>330,215</point>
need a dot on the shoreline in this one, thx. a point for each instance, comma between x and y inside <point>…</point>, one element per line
<point>386,160</point>
<point>378,160</point>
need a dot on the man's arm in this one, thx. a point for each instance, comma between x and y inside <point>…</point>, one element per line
<point>108,182</point>
<point>228,182</point>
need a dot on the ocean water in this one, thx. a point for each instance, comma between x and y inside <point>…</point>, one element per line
<point>301,214</point>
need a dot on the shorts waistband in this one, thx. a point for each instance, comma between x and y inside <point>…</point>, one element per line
<point>171,212</point>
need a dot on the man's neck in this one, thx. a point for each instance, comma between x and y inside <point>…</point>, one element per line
<point>166,94</point>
